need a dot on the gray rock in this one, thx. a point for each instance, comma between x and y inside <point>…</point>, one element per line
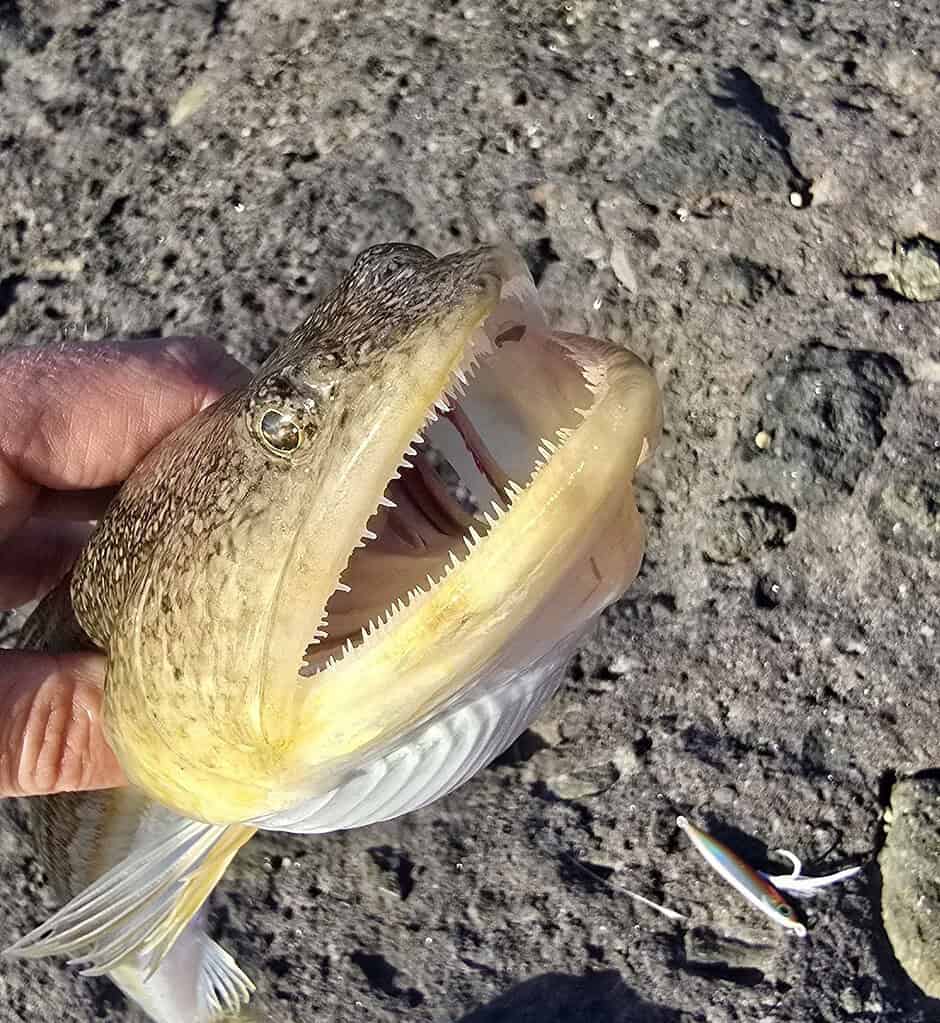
<point>911,268</point>
<point>910,872</point>
<point>330,126</point>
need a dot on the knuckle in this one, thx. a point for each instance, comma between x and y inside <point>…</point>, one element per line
<point>52,739</point>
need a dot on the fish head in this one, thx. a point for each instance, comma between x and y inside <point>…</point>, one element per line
<point>424,494</point>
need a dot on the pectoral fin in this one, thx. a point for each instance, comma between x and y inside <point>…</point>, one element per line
<point>438,757</point>
<point>141,905</point>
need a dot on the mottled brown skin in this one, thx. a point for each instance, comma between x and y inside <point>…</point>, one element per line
<point>212,475</point>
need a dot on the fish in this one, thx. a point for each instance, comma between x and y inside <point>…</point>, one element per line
<point>753,885</point>
<point>305,629</point>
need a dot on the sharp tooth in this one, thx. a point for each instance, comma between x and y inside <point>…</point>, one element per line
<point>489,519</point>
<point>431,582</point>
<point>331,663</point>
<point>347,647</point>
<point>583,413</point>
<point>385,502</point>
<point>564,434</point>
<point>343,588</point>
<point>454,560</point>
<point>442,404</point>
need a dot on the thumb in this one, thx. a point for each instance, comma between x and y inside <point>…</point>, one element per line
<point>51,737</point>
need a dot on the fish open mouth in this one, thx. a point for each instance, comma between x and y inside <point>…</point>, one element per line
<point>519,396</point>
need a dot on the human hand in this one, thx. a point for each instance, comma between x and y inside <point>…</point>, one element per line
<point>74,421</point>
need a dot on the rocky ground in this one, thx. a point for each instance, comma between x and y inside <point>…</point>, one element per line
<point>748,195</point>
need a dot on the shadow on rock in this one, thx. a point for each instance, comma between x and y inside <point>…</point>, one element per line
<point>561,998</point>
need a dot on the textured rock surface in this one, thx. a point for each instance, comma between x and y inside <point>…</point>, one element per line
<point>910,894</point>
<point>702,181</point>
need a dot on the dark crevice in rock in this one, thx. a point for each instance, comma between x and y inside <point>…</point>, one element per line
<point>396,863</point>
<point>599,995</point>
<point>114,212</point>
<point>523,749</point>
<point>10,15</point>
<point>747,96</point>
<point>219,17</point>
<point>743,976</point>
<point>8,286</point>
<point>540,255</point>
<point>382,976</point>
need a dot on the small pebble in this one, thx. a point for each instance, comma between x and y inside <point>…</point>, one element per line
<point>762,440</point>
<point>796,200</point>
<point>725,795</point>
<point>624,664</point>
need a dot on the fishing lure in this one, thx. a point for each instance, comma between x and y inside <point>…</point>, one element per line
<point>797,883</point>
<point>753,885</point>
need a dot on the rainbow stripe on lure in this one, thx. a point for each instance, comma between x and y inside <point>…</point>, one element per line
<point>750,883</point>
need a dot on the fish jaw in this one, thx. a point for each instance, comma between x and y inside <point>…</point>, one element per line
<point>565,546</point>
<point>205,704</point>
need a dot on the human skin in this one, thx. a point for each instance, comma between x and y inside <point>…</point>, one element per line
<point>74,421</point>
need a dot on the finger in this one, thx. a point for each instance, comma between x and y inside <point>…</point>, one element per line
<point>36,557</point>
<point>51,739</point>
<point>78,417</point>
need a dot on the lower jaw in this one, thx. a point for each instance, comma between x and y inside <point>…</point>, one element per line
<point>569,545</point>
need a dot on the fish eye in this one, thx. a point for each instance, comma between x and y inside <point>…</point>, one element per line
<point>279,431</point>
<point>784,910</point>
